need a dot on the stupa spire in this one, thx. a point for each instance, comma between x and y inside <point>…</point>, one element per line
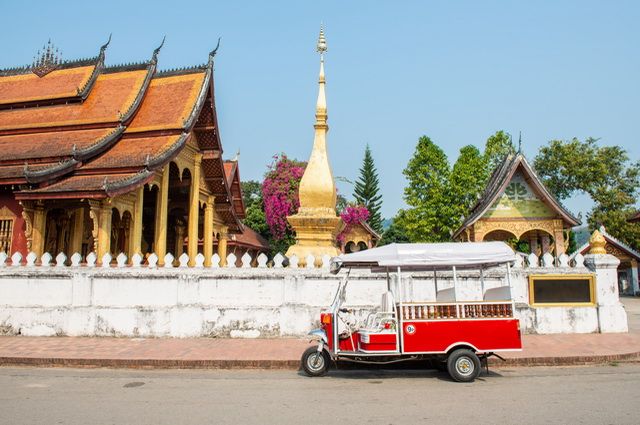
<point>316,222</point>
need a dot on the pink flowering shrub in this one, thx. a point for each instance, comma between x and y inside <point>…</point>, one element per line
<point>352,215</point>
<point>280,193</point>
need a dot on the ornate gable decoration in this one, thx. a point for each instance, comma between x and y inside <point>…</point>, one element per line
<point>47,61</point>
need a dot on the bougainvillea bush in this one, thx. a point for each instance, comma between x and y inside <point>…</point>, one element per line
<point>351,216</point>
<point>280,194</point>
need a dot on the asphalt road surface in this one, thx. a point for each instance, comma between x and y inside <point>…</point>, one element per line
<point>571,395</point>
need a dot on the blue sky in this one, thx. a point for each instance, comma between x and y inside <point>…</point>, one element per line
<point>456,71</point>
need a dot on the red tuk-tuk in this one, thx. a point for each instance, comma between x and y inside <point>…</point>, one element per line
<point>454,334</point>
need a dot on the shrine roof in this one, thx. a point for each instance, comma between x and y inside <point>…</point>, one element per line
<point>56,144</point>
<point>89,186</point>
<point>48,79</point>
<point>250,238</point>
<point>497,184</point>
<point>232,174</point>
<point>113,96</point>
<point>156,113</point>
<point>635,217</point>
<point>61,83</point>
<point>137,152</point>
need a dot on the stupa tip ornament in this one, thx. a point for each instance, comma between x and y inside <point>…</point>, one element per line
<point>597,243</point>
<point>321,47</point>
<point>316,222</point>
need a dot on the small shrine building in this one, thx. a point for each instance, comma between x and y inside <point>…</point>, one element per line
<point>358,237</point>
<point>111,159</point>
<point>516,206</point>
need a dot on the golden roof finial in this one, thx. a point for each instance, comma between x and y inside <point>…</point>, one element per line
<point>322,42</point>
<point>597,243</point>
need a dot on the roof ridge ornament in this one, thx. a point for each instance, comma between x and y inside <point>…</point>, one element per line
<point>520,143</point>
<point>49,60</point>
<point>215,50</point>
<point>105,45</point>
<point>154,59</point>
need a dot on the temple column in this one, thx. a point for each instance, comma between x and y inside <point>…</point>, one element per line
<point>179,244</point>
<point>546,243</point>
<point>104,231</point>
<point>222,246</point>
<point>207,250</point>
<point>162,211</point>
<point>77,232</point>
<point>38,231</point>
<point>559,242</point>
<point>533,242</point>
<point>635,285</point>
<point>135,235</point>
<point>194,210</point>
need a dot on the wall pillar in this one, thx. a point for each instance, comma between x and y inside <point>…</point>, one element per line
<point>612,316</point>
<point>77,231</point>
<point>38,231</point>
<point>222,246</point>
<point>135,234</point>
<point>194,210</point>
<point>162,211</point>
<point>207,250</point>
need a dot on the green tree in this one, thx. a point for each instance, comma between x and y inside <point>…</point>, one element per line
<point>251,192</point>
<point>497,147</point>
<point>367,192</point>
<point>603,172</point>
<point>254,208</point>
<point>468,180</point>
<point>395,233</point>
<point>430,217</point>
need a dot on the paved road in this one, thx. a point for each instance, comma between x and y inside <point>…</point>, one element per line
<point>584,395</point>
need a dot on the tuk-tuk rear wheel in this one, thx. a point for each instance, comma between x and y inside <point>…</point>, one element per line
<point>463,365</point>
<point>314,362</point>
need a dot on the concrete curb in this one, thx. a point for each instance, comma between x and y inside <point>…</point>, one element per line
<point>280,364</point>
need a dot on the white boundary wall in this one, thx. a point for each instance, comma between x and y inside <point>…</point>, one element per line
<point>255,302</point>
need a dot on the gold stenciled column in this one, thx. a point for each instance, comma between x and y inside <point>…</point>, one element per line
<point>316,222</point>
<point>194,211</point>
<point>135,238</point>
<point>78,230</point>
<point>222,245</point>
<point>38,232</point>
<point>207,249</point>
<point>162,208</point>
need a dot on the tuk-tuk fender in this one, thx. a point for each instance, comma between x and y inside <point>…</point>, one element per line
<point>320,334</point>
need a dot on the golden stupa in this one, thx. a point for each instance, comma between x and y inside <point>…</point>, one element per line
<point>316,223</point>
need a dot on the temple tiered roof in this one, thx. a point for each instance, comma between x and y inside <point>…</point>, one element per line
<point>83,130</point>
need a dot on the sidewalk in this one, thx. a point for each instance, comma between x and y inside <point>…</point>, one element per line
<point>283,353</point>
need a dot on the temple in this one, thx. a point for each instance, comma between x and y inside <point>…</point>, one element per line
<point>516,206</point>
<point>112,159</point>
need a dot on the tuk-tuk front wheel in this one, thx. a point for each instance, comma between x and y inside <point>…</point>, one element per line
<point>463,365</point>
<point>314,362</point>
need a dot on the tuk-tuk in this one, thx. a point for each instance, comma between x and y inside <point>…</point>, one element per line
<point>454,334</point>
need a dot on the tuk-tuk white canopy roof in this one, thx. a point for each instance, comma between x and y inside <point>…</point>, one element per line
<point>428,256</point>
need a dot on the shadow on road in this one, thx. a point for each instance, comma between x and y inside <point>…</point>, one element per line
<point>377,373</point>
